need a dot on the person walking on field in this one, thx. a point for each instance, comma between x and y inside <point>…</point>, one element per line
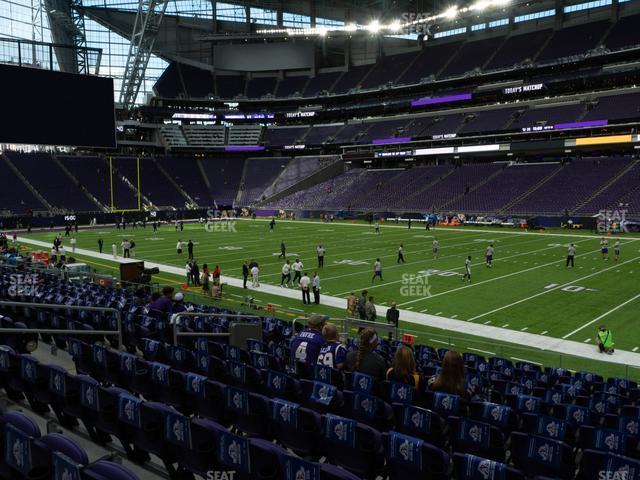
<point>286,274</point>
<point>377,270</point>
<point>297,270</point>
<point>320,250</point>
<point>304,283</point>
<point>245,274</point>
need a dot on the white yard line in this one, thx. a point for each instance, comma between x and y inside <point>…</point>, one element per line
<point>603,315</point>
<point>481,351</point>
<point>409,317</point>
<point>440,341</point>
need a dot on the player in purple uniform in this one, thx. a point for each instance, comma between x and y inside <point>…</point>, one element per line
<point>305,348</point>
<point>334,353</point>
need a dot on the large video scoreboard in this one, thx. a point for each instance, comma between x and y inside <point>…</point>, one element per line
<point>44,107</point>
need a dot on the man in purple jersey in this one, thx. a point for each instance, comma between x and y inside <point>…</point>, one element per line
<point>306,346</point>
<point>334,353</point>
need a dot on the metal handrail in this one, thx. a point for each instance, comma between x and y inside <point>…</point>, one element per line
<point>387,327</point>
<point>48,331</point>
<point>176,333</point>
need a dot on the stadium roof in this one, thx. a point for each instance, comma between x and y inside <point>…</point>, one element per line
<point>190,26</point>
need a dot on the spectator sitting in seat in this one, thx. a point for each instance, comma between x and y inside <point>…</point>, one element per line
<point>163,304</point>
<point>403,368</point>
<point>365,360</point>
<point>451,377</point>
<point>333,354</point>
<point>305,348</point>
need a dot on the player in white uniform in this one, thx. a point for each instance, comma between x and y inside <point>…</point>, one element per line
<point>377,228</point>
<point>604,248</point>
<point>435,248</point>
<point>286,275</point>
<point>467,269</point>
<point>255,276</point>
<point>377,270</point>
<point>616,249</point>
<point>489,256</point>
<point>297,271</point>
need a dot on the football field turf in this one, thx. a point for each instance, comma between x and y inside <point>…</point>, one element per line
<point>528,289</point>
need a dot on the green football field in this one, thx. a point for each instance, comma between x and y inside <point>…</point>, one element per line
<point>528,288</point>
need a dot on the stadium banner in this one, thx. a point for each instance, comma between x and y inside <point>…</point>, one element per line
<point>585,141</point>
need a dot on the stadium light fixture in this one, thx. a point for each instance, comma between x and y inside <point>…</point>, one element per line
<point>374,26</point>
<point>450,13</point>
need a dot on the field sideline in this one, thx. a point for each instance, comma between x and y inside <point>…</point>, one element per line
<point>528,289</point>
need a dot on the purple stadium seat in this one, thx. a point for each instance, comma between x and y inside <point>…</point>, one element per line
<point>353,446</point>
<point>470,467</point>
<point>542,456</point>
<point>478,438</point>
<point>296,428</point>
<point>410,457</point>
